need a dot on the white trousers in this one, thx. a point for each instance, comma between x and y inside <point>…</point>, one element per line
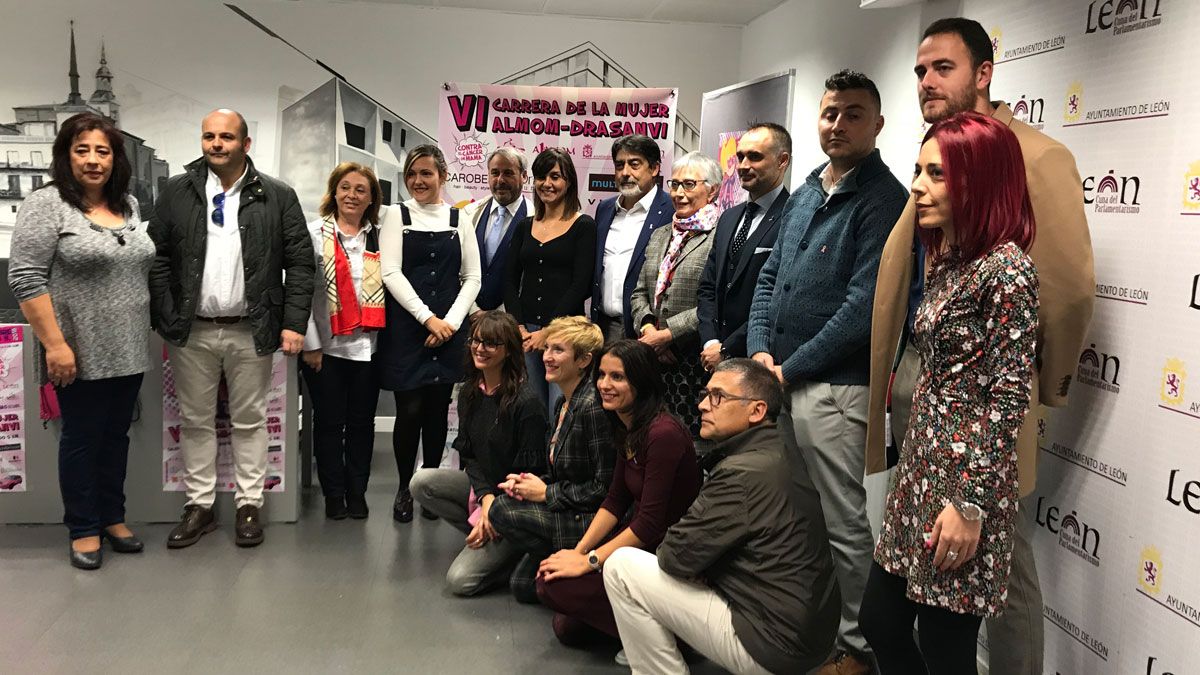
<point>211,350</point>
<point>653,607</point>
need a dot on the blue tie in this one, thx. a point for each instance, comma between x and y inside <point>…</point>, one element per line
<point>495,232</point>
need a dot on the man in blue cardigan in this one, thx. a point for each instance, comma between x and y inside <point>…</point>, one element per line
<point>810,322</point>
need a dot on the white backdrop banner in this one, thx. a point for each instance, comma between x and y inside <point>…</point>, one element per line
<point>1118,500</point>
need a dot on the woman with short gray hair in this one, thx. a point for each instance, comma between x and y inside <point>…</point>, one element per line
<point>664,302</point>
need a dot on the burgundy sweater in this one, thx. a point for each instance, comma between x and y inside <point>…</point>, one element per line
<point>660,482</point>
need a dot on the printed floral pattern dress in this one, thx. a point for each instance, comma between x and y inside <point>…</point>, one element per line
<point>976,331</point>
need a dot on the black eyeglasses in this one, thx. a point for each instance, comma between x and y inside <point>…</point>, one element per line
<point>688,184</point>
<point>717,397</point>
<point>484,345</point>
<point>218,214</point>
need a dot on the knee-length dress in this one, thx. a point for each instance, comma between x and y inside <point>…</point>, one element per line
<point>976,331</point>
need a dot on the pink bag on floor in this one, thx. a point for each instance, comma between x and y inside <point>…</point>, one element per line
<point>474,510</point>
<point>49,406</point>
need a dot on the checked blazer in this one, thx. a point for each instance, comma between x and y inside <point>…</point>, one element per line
<point>576,483</point>
<point>678,309</point>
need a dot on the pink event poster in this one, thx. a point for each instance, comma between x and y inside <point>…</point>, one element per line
<point>731,193</point>
<point>475,119</point>
<point>13,477</point>
<point>276,413</point>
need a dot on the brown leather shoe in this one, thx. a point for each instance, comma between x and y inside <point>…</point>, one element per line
<point>845,663</point>
<point>196,522</point>
<point>249,532</point>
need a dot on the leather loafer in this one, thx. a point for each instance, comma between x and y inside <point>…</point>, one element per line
<point>249,531</point>
<point>130,544</point>
<point>90,560</point>
<point>196,522</point>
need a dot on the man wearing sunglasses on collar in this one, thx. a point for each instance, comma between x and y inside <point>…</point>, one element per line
<point>232,282</point>
<point>745,577</point>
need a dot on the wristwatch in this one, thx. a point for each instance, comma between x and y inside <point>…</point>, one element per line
<point>594,561</point>
<point>969,511</point>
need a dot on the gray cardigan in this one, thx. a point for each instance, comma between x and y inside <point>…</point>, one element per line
<point>812,305</point>
<point>97,285</point>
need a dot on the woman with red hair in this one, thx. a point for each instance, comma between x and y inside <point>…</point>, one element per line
<point>945,549</point>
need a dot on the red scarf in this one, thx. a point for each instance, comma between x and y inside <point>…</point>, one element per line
<point>348,310</point>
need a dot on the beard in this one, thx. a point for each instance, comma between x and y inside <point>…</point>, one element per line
<point>955,102</point>
<point>630,190</point>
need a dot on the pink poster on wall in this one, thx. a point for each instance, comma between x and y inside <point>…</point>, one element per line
<point>13,477</point>
<point>172,423</point>
<point>475,119</point>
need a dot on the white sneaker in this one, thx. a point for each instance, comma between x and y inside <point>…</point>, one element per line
<point>621,659</point>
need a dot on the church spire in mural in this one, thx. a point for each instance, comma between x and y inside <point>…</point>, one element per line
<point>75,98</point>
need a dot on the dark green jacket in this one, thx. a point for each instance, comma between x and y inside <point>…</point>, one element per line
<point>277,256</point>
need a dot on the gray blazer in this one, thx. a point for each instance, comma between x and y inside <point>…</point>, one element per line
<point>678,309</point>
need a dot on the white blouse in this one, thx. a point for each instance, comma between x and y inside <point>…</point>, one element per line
<point>432,218</point>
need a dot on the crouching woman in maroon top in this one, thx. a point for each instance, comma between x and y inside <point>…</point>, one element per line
<point>656,474</point>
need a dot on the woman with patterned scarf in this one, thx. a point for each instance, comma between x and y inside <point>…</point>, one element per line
<point>347,312</point>
<point>664,302</point>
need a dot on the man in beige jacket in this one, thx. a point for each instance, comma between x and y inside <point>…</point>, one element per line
<point>954,73</point>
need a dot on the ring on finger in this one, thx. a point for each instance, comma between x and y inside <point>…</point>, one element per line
<point>952,555</point>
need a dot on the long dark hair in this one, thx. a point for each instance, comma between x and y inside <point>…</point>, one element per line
<point>543,164</point>
<point>644,375</point>
<point>495,326</point>
<point>117,187</point>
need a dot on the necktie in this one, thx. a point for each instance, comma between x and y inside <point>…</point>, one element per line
<point>495,232</point>
<point>739,238</point>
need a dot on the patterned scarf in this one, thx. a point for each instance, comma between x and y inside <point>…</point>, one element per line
<point>347,311</point>
<point>703,220</point>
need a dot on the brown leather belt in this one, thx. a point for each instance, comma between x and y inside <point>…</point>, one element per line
<point>222,320</point>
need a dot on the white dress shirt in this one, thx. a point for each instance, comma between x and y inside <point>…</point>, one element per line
<point>435,218</point>
<point>223,286</point>
<point>359,345</point>
<point>618,251</point>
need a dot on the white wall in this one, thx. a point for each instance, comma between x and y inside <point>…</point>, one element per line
<point>820,37</point>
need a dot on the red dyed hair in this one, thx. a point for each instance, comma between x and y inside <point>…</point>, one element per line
<point>985,178</point>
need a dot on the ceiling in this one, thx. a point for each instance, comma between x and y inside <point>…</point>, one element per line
<point>725,12</point>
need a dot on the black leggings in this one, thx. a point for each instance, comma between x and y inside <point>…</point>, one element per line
<point>887,616</point>
<point>421,419</point>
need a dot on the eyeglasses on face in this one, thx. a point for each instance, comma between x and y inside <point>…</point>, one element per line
<point>716,397</point>
<point>483,345</point>
<point>688,184</point>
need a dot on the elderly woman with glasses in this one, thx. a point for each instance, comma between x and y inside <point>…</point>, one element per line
<point>664,301</point>
<point>502,431</point>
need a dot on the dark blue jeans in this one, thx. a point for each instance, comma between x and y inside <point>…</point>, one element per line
<point>93,451</point>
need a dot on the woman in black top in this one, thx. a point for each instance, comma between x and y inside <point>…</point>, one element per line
<point>501,430</point>
<point>550,261</point>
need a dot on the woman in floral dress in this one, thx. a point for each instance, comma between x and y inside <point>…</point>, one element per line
<point>944,553</point>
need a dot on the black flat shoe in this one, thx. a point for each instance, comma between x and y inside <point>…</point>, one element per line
<point>356,506</point>
<point>402,509</point>
<point>130,544</point>
<point>90,560</point>
<point>335,508</point>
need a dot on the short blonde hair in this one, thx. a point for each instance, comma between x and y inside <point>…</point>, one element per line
<point>329,201</point>
<point>583,335</point>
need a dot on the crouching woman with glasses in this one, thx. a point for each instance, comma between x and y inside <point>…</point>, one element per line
<point>501,430</point>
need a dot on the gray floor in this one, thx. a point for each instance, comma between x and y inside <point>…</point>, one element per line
<point>317,597</point>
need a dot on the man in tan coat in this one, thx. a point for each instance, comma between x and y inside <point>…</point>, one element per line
<point>954,73</point>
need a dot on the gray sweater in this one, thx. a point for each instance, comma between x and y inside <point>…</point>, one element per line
<point>98,286</point>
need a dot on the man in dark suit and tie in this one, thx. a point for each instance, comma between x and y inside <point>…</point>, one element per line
<point>623,227</point>
<point>494,219</point>
<point>745,235</point>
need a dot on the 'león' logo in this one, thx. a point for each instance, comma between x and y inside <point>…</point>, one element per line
<point>1191,189</point>
<point>1112,193</point>
<point>1171,391</point>
<point>1073,109</point>
<point>1094,370</point>
<point>996,36</point>
<point>1150,570</point>
<point>1029,111</point>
